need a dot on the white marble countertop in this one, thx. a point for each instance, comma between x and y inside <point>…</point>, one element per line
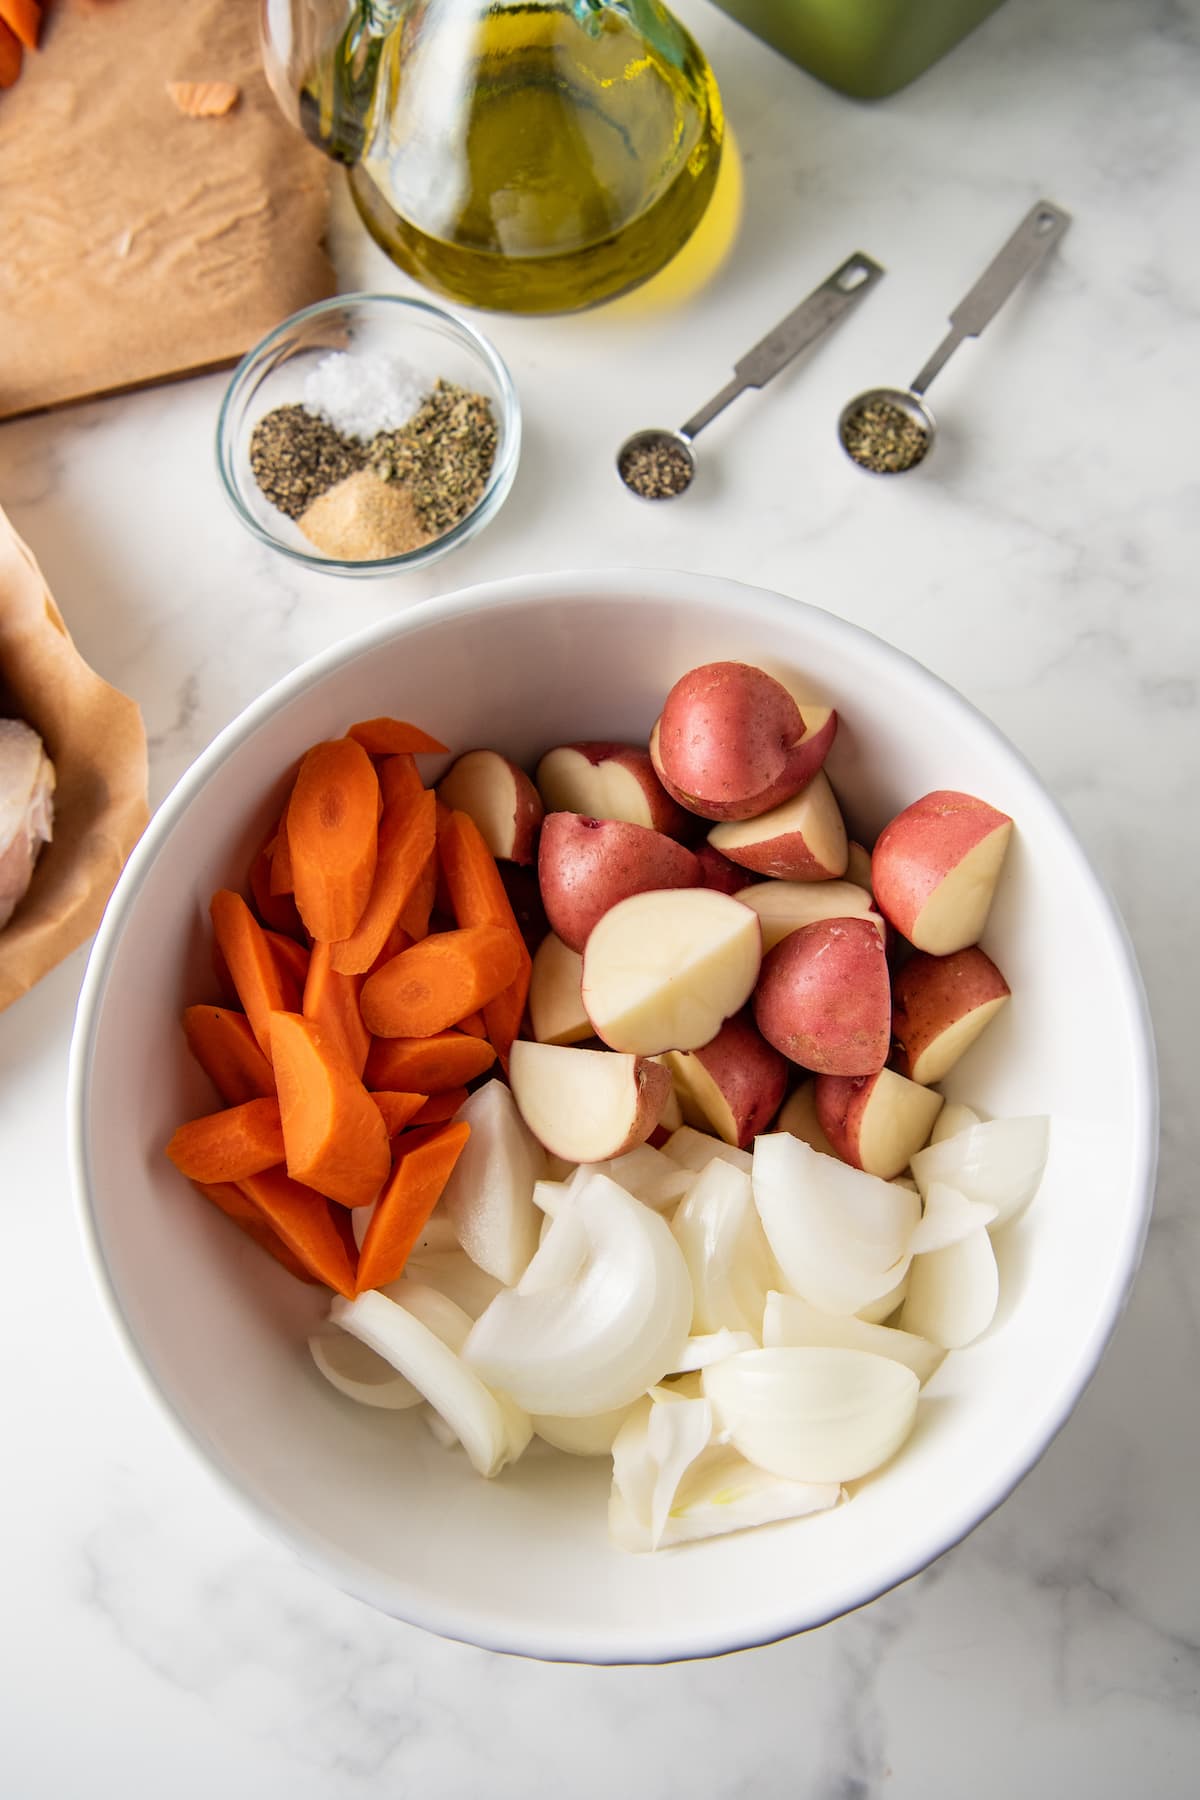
<point>1046,563</point>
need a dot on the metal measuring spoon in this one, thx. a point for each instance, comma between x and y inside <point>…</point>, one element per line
<point>660,465</point>
<point>888,431</point>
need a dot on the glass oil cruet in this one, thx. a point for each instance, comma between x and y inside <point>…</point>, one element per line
<point>524,155</point>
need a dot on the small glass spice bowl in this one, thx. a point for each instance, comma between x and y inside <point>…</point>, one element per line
<point>430,342</point>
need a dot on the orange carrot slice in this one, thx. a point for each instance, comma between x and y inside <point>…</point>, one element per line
<point>291,959</point>
<point>418,908</point>
<point>331,1002</point>
<point>392,737</point>
<point>475,1025</point>
<point>421,1172</point>
<point>276,911</point>
<point>398,1110</point>
<point>246,948</point>
<point>332,1129</point>
<point>440,1107</point>
<point>245,1215</point>
<point>24,17</point>
<point>223,1044</point>
<point>478,897</point>
<point>227,1146</point>
<point>399,779</point>
<point>306,1223</point>
<point>282,879</point>
<point>11,56</point>
<point>406,849</point>
<point>429,1065</point>
<point>438,981</point>
<point>333,837</point>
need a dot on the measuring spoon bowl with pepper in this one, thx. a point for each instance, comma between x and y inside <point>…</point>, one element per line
<point>661,465</point>
<point>889,431</point>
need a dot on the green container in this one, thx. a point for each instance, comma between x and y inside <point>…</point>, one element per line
<point>867,48</point>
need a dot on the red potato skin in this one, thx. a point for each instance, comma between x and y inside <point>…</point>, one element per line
<point>729,742</point>
<point>585,866</point>
<point>527,806</point>
<point>783,858</point>
<point>716,871</point>
<point>840,1101</point>
<point>931,993</point>
<point>921,845</point>
<point>823,998</point>
<point>666,815</point>
<point>750,1073</point>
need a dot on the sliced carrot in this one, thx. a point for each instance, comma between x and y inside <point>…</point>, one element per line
<point>291,959</point>
<point>332,1129</point>
<point>398,1110</point>
<point>11,56</point>
<point>478,896</point>
<point>331,1002</point>
<point>224,1045</point>
<point>421,1172</point>
<point>252,968</point>
<point>282,880</point>
<point>430,1065</point>
<point>475,1025</point>
<point>406,849</point>
<point>24,17</point>
<point>306,1222</point>
<point>392,737</point>
<point>418,908</point>
<point>333,837</point>
<point>227,1146</point>
<point>397,940</point>
<point>439,981</point>
<point>237,1206</point>
<point>399,779</point>
<point>440,1107</point>
<point>276,911</point>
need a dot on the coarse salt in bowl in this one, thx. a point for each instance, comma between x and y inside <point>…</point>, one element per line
<point>351,360</point>
<point>524,1563</point>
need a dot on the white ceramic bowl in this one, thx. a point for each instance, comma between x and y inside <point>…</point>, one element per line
<point>523,1563</point>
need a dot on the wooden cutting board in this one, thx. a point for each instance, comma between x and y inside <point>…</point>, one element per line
<point>136,243</point>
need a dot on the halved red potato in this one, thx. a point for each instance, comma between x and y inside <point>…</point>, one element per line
<point>935,866</point>
<point>733,1084</point>
<point>586,1105</point>
<point>940,1004</point>
<point>609,781</point>
<point>500,798</point>
<point>803,839</point>
<point>824,998</point>
<point>585,866</point>
<point>729,741</point>
<point>784,906</point>
<point>876,1122</point>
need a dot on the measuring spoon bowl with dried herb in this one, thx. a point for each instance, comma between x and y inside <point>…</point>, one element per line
<point>887,431</point>
<point>369,435</point>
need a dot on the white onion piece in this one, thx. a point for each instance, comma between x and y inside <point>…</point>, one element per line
<point>454,1390</point>
<point>560,1256</point>
<point>357,1372</point>
<point>452,1273</point>
<point>840,1236</point>
<point>548,1196</point>
<point>998,1163</point>
<point>581,1437</point>
<point>718,1229</point>
<point>876,1311</point>
<point>600,1340</point>
<point>444,1434</point>
<point>952,1293</point>
<point>649,1175</point>
<point>948,1218</point>
<point>719,1493</point>
<point>658,1442</point>
<point>788,1320</point>
<point>813,1414</point>
<point>450,1323</point>
<point>696,1149</point>
<point>489,1196</point>
<point>953,1118</point>
<point>713,1346</point>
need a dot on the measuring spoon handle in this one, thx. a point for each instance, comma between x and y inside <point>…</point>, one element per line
<point>802,327</point>
<point>1037,233</point>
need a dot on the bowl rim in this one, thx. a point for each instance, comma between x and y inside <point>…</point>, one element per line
<point>499,481</point>
<point>669,1642</point>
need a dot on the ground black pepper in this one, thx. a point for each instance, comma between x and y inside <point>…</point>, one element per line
<point>444,454</point>
<point>884,438</point>
<point>655,471</point>
<point>295,456</point>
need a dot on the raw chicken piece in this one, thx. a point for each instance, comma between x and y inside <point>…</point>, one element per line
<point>26,810</point>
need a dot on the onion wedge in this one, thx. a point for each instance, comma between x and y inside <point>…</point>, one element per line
<point>999,1163</point>
<point>952,1293</point>
<point>819,1415</point>
<point>718,1229</point>
<point>788,1320</point>
<point>720,1492</point>
<point>600,1339</point>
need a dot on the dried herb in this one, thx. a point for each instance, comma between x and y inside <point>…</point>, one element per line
<point>295,456</point>
<point>884,438</point>
<point>444,454</point>
<point>656,470</point>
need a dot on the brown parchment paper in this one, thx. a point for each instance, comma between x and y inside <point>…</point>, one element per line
<point>136,244</point>
<point>97,742</point>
